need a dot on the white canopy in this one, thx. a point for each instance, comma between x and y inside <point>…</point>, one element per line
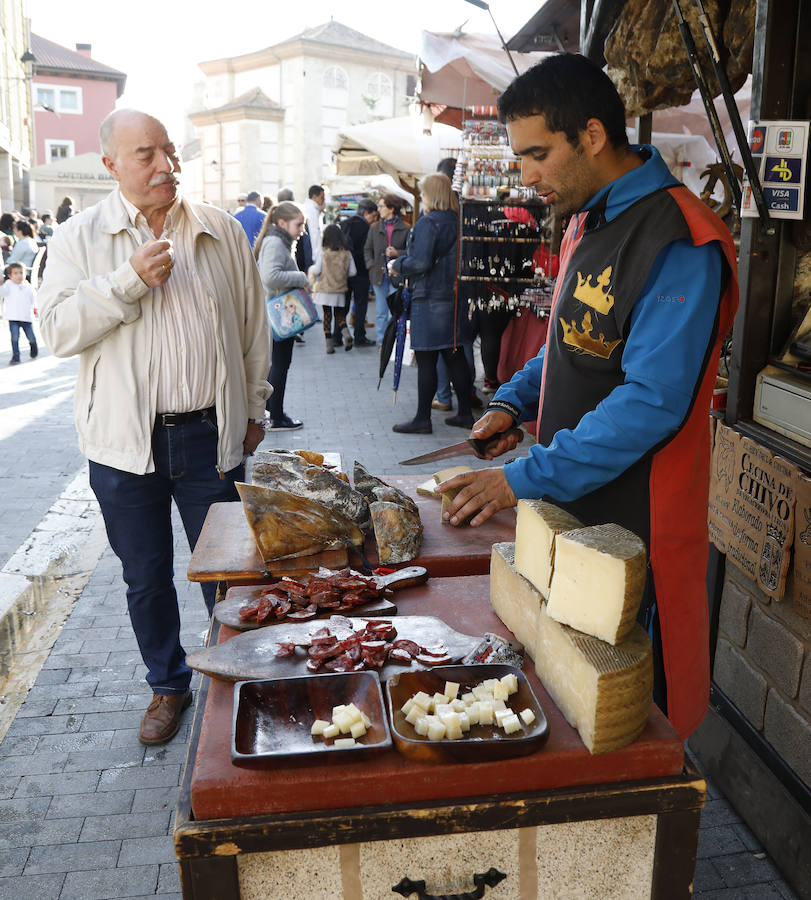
<point>396,146</point>
<point>467,69</point>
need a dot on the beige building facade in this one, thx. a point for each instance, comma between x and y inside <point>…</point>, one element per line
<point>271,117</point>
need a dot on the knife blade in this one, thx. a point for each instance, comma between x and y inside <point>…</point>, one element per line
<point>470,447</point>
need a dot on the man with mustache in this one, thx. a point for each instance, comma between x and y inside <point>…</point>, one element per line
<point>645,295</point>
<point>162,300</point>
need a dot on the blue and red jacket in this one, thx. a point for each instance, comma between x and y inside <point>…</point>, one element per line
<point>646,293</point>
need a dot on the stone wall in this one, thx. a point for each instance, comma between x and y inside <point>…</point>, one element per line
<point>763,665</point>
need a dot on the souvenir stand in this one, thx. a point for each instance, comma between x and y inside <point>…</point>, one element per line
<point>505,254</point>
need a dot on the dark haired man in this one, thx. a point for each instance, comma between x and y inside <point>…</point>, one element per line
<point>356,229</point>
<point>251,217</point>
<point>645,295</point>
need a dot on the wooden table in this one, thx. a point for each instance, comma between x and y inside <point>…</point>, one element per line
<point>227,551</point>
<point>557,822</point>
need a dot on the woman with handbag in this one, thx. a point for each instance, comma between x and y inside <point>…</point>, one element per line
<point>438,318</point>
<point>277,266</point>
<point>385,241</point>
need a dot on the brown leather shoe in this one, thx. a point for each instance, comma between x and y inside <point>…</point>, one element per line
<point>162,717</point>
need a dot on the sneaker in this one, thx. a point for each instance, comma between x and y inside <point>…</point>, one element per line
<point>34,352</point>
<point>442,407</point>
<point>284,424</point>
<point>460,421</point>
<point>413,427</point>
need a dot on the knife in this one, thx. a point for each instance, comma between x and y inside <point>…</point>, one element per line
<point>471,447</point>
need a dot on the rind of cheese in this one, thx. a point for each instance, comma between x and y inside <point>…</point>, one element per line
<point>603,691</point>
<point>536,525</point>
<point>598,580</point>
<point>515,602</point>
<point>426,489</point>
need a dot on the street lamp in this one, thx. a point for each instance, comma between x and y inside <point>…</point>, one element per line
<point>482,5</point>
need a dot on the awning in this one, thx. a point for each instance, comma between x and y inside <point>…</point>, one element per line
<point>396,146</point>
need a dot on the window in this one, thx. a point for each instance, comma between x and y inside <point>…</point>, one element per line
<point>335,77</point>
<point>45,98</point>
<point>59,99</point>
<point>56,151</point>
<point>378,86</point>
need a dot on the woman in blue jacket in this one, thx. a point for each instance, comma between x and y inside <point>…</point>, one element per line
<point>438,318</point>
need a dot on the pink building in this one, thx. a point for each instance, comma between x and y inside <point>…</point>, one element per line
<point>72,93</point>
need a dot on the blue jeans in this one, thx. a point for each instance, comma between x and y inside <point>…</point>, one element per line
<point>138,517</point>
<point>14,326</point>
<point>443,391</point>
<point>382,314</point>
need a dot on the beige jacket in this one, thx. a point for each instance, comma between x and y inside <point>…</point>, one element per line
<point>93,303</point>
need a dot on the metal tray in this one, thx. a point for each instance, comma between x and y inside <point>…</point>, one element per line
<point>482,742</point>
<point>272,718</point>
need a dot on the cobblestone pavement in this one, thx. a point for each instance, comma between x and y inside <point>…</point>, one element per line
<point>85,809</point>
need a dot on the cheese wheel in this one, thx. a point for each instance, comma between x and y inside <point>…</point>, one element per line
<point>536,525</point>
<point>514,601</point>
<point>603,691</point>
<point>598,580</point>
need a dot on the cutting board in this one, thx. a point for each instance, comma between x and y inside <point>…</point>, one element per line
<point>227,610</point>
<point>252,654</point>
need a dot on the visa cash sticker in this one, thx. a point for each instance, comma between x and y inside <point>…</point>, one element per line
<point>779,152</point>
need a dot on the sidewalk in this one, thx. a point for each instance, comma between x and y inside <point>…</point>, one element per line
<point>85,809</point>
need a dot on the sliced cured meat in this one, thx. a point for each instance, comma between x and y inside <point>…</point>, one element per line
<point>412,648</point>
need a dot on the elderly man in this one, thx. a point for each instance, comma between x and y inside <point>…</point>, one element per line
<point>645,295</point>
<point>162,301</point>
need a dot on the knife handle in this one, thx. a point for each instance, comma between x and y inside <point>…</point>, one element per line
<point>481,446</point>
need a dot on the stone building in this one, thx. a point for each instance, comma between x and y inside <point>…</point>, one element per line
<point>271,116</point>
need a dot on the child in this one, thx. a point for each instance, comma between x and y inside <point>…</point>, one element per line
<point>332,267</point>
<point>19,296</point>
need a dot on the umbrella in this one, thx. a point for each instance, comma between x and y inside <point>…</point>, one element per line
<point>395,304</point>
<point>399,345</point>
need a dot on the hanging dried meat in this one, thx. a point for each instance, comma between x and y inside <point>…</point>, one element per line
<point>285,524</point>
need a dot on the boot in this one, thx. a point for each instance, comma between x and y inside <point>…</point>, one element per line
<point>34,351</point>
<point>330,345</point>
<point>347,336</point>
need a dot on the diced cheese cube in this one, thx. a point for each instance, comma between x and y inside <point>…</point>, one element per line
<point>344,721</point>
<point>458,705</point>
<point>498,704</point>
<point>536,525</point>
<point>358,730</point>
<point>510,724</point>
<point>331,731</point>
<point>344,742</point>
<point>485,713</point>
<point>421,725</point>
<point>451,690</point>
<point>414,713</point>
<point>511,680</point>
<point>407,706</point>
<point>500,691</point>
<point>489,684</point>
<point>440,699</point>
<point>453,731</point>
<point>473,713</point>
<point>436,730</point>
<point>449,718</point>
<point>353,712</point>
<point>442,709</point>
<point>527,716</point>
<point>318,726</point>
<point>337,709</point>
<point>422,699</point>
<point>598,581</point>
<point>464,721</point>
<point>366,720</point>
<point>482,693</point>
<point>468,697</point>
<point>501,714</point>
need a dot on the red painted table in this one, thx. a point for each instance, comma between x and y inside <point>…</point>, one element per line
<point>240,831</point>
<point>226,549</point>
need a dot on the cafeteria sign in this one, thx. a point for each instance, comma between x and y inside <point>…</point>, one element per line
<point>779,151</point>
<point>751,508</point>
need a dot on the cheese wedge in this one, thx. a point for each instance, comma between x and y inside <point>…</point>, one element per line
<point>603,691</point>
<point>514,600</point>
<point>536,526</point>
<point>598,580</point>
<point>426,489</point>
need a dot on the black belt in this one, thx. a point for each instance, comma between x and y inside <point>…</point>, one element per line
<point>169,420</point>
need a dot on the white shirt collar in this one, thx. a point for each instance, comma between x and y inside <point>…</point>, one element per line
<point>133,212</point>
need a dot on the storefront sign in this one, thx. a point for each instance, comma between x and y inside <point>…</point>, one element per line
<point>779,151</point>
<point>802,548</point>
<point>751,508</point>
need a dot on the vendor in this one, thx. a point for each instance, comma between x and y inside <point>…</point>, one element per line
<point>645,295</point>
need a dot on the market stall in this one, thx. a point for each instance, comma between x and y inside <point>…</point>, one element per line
<point>586,792</point>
